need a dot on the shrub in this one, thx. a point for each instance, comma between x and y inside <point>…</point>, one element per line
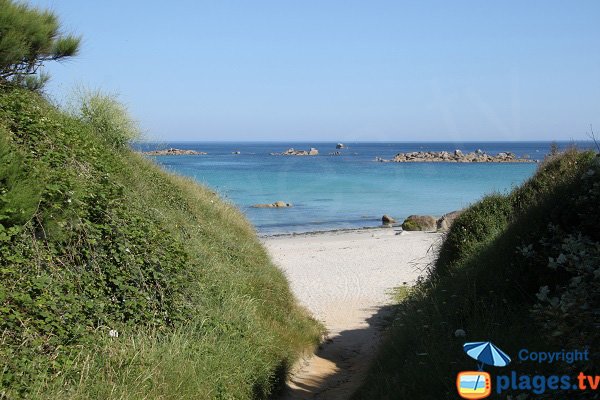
<point>108,117</point>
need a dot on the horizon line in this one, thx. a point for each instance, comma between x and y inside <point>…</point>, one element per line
<point>366,141</point>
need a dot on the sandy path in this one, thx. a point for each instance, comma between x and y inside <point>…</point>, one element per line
<point>344,279</point>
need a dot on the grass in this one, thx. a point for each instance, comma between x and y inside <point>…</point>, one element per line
<point>95,238</point>
<point>517,269</point>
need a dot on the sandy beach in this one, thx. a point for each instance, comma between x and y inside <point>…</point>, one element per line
<point>345,278</point>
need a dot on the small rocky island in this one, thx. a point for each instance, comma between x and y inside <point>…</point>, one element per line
<point>175,152</point>
<point>294,152</point>
<point>277,204</point>
<point>456,156</point>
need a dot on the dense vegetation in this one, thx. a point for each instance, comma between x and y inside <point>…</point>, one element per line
<point>119,280</point>
<point>519,269</point>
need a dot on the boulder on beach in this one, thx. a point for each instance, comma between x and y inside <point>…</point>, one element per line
<point>419,223</point>
<point>445,222</point>
<point>386,219</point>
<point>277,204</point>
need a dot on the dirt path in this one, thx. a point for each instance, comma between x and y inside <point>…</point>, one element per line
<point>344,279</point>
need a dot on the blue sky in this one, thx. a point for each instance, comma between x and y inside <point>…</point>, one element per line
<point>341,70</point>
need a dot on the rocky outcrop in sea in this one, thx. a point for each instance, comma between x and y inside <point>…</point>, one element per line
<point>294,152</point>
<point>456,156</point>
<point>175,152</point>
<point>277,204</point>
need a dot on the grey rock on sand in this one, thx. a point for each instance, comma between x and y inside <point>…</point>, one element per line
<point>420,223</point>
<point>386,219</point>
<point>446,221</point>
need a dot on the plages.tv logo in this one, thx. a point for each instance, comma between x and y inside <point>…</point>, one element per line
<point>478,384</point>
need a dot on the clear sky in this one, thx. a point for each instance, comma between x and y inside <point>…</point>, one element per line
<point>341,70</point>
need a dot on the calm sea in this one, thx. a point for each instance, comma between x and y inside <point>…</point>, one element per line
<point>347,191</point>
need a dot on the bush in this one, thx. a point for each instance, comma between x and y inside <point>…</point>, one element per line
<point>107,116</point>
<point>474,228</point>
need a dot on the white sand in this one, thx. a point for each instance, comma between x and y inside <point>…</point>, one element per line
<point>345,278</point>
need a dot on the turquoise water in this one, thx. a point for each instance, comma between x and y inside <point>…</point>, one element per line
<point>348,191</point>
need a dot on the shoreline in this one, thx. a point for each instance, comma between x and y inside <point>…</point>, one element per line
<point>396,227</point>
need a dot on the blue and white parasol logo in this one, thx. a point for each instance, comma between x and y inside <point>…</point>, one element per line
<point>486,353</point>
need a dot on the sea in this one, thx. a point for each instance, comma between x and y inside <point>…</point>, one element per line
<point>351,190</point>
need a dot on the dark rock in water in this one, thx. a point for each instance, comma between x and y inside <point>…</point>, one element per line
<point>445,222</point>
<point>175,152</point>
<point>386,219</point>
<point>277,204</point>
<point>236,152</point>
<point>419,223</point>
<point>340,146</point>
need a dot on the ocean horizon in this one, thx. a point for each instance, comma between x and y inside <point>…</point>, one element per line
<point>350,190</point>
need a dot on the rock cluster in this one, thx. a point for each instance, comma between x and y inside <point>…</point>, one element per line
<point>456,156</point>
<point>294,152</point>
<point>277,204</point>
<point>175,152</point>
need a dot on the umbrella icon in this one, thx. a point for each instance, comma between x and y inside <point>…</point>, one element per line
<point>486,353</point>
